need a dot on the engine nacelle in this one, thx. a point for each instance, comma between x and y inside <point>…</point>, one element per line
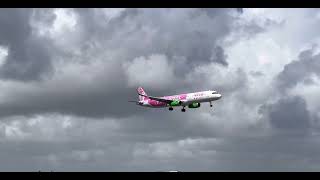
<point>176,103</point>
<point>194,105</point>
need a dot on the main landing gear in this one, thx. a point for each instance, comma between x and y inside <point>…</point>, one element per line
<point>210,104</point>
<point>183,109</point>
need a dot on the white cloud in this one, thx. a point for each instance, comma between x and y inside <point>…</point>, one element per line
<point>260,53</point>
<point>216,76</point>
<point>54,128</point>
<point>283,38</point>
<point>173,150</point>
<point>3,54</point>
<point>65,21</point>
<point>86,155</point>
<point>13,131</point>
<point>62,30</point>
<point>154,71</point>
<point>111,13</point>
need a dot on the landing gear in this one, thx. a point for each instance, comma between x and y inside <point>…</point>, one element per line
<point>183,109</point>
<point>210,104</point>
<point>170,108</point>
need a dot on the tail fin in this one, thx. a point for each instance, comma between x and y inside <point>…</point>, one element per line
<point>141,91</point>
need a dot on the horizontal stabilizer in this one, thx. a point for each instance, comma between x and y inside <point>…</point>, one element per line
<point>137,102</point>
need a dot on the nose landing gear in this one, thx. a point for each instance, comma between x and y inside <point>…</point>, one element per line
<point>183,109</point>
<point>170,108</point>
<point>210,104</point>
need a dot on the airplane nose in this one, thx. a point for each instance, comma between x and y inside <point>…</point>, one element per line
<point>219,96</point>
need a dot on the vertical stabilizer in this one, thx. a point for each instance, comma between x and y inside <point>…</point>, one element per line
<point>141,91</point>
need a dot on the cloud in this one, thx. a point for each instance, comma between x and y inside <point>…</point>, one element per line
<point>298,71</point>
<point>28,57</point>
<point>210,76</point>
<point>298,119</point>
<point>95,45</point>
<point>67,75</point>
<point>153,71</point>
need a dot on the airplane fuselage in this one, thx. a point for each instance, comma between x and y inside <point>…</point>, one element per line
<point>185,99</point>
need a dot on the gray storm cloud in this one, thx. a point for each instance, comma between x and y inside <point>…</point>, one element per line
<point>299,119</point>
<point>299,71</point>
<point>69,73</point>
<point>187,38</point>
<point>28,57</point>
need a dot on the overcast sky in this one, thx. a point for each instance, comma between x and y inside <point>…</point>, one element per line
<point>66,76</point>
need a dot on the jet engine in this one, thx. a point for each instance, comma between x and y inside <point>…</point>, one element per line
<point>176,103</point>
<point>194,105</point>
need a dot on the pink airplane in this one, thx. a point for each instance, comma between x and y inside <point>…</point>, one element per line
<point>191,100</point>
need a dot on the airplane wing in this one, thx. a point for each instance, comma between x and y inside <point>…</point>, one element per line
<point>167,101</point>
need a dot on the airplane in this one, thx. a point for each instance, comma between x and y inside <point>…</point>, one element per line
<point>190,100</point>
